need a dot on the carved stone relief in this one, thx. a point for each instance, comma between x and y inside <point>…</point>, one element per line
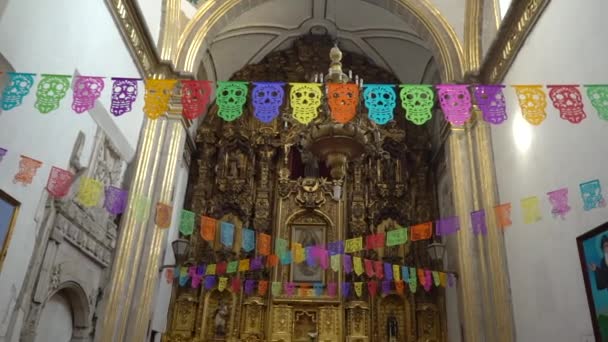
<point>75,245</point>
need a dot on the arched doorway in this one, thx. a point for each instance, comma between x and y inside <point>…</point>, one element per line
<point>64,316</point>
<point>56,320</point>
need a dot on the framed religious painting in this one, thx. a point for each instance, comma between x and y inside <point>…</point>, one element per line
<point>593,253</point>
<point>9,209</point>
<point>307,235</point>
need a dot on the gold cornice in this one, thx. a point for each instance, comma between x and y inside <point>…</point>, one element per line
<point>472,34</point>
<point>170,30</point>
<point>133,29</point>
<point>497,13</point>
<point>517,24</point>
<point>453,61</point>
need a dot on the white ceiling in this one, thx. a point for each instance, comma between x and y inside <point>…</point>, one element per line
<point>359,26</point>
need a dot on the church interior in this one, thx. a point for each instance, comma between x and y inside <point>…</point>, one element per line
<point>303,171</point>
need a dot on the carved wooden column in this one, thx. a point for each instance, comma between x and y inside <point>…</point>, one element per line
<point>282,323</point>
<point>329,324</point>
<point>252,326</point>
<point>135,272</point>
<point>358,326</point>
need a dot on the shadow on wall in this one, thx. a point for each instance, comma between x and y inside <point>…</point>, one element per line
<point>5,66</point>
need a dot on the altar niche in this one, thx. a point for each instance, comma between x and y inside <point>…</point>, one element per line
<point>307,236</point>
<point>265,177</point>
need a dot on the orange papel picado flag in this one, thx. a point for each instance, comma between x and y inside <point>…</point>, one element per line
<point>264,244</point>
<point>422,231</point>
<point>208,225</point>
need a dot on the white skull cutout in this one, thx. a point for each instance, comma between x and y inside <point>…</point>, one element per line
<point>343,101</point>
<point>532,102</point>
<point>51,90</point>
<point>305,100</point>
<point>86,91</point>
<point>267,99</point>
<point>569,101</point>
<point>380,101</point>
<point>124,93</point>
<point>18,88</point>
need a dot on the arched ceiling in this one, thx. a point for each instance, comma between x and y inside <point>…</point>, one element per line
<point>414,39</point>
<point>359,27</point>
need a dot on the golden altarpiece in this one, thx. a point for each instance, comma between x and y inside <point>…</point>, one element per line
<point>309,184</point>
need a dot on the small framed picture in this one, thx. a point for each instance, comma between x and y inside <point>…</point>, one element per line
<point>9,209</point>
<point>307,235</point>
<point>593,253</point>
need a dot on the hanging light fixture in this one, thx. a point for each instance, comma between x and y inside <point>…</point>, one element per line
<point>436,251</point>
<point>337,143</point>
<point>181,249</point>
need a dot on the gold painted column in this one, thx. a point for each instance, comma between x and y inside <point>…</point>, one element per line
<point>483,285</point>
<point>128,299</point>
<point>462,246</point>
<point>497,277</point>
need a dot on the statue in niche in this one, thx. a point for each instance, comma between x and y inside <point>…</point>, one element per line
<point>392,328</point>
<point>220,319</point>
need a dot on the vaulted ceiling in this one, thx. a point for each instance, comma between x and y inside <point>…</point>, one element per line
<point>417,40</point>
<point>364,29</point>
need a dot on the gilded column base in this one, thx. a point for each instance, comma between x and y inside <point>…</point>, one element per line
<point>252,326</point>
<point>357,321</point>
<point>282,323</point>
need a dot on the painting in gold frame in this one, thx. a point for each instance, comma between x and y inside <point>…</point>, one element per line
<point>307,235</point>
<point>9,209</point>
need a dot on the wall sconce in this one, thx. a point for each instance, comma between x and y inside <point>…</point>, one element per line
<point>436,251</point>
<point>181,249</point>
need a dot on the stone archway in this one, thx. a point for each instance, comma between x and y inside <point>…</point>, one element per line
<point>65,311</point>
<point>429,24</point>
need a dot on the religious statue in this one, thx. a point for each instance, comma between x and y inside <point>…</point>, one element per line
<point>220,318</point>
<point>392,328</point>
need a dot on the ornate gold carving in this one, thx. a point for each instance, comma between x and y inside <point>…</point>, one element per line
<point>261,176</point>
<point>394,306</point>
<point>253,324</point>
<point>357,321</point>
<point>329,324</point>
<point>429,324</point>
<point>513,32</point>
<point>184,316</point>
<point>312,192</point>
<point>282,318</point>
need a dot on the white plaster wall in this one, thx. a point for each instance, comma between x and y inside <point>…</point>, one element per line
<point>504,7</point>
<point>152,12</point>
<point>188,9</point>
<point>55,321</point>
<point>549,298</point>
<point>61,36</point>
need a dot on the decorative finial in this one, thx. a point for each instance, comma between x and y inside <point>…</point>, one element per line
<point>335,69</point>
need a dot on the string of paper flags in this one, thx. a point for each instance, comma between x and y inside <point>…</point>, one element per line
<point>268,98</point>
<point>334,255</point>
<point>337,256</point>
<point>91,191</point>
